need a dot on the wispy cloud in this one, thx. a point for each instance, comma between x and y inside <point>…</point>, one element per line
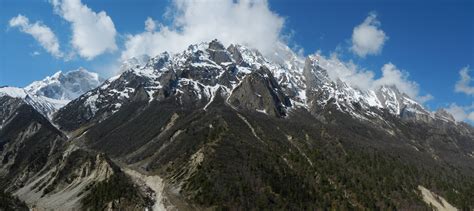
<point>249,22</point>
<point>92,33</point>
<point>463,85</point>
<point>40,32</point>
<point>150,24</point>
<point>391,75</point>
<point>462,113</point>
<point>368,38</point>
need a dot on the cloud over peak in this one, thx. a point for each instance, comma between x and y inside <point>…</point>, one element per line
<point>463,85</point>
<point>92,33</point>
<point>391,75</point>
<point>249,22</point>
<point>365,79</point>
<point>40,32</point>
<point>368,38</point>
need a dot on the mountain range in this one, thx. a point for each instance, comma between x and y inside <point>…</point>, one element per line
<point>216,127</point>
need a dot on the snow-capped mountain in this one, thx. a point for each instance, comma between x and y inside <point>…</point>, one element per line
<point>65,86</point>
<point>198,73</point>
<point>365,104</point>
<point>44,105</point>
<point>194,75</point>
<point>54,92</point>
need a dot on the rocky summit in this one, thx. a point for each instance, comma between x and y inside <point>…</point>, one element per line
<point>225,127</point>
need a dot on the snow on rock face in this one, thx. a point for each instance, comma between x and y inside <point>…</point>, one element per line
<point>13,92</point>
<point>444,115</point>
<point>137,83</point>
<point>67,86</point>
<point>288,70</point>
<point>284,64</point>
<point>356,101</point>
<point>44,105</point>
<point>390,99</point>
<point>399,104</point>
<point>323,91</point>
<point>198,72</point>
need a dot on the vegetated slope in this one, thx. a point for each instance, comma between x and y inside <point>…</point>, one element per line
<point>220,157</point>
<point>9,202</point>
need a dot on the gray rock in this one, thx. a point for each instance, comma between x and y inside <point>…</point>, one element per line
<point>260,92</point>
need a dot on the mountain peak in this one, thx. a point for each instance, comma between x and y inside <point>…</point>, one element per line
<point>65,86</point>
<point>216,45</point>
<point>55,91</point>
<point>56,75</point>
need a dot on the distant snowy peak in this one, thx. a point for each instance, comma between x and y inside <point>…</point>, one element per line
<point>52,93</point>
<point>14,92</point>
<point>65,86</point>
<point>43,105</point>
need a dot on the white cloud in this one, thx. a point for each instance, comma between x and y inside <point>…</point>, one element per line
<point>391,75</point>
<point>40,32</point>
<point>247,22</point>
<point>92,33</point>
<point>347,72</point>
<point>463,84</point>
<point>462,113</point>
<point>150,25</point>
<point>425,98</point>
<point>365,79</point>
<point>368,38</point>
<point>470,117</point>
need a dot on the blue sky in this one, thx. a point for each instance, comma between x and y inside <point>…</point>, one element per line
<point>431,40</point>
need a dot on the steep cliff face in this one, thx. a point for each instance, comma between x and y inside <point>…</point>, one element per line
<point>260,92</point>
